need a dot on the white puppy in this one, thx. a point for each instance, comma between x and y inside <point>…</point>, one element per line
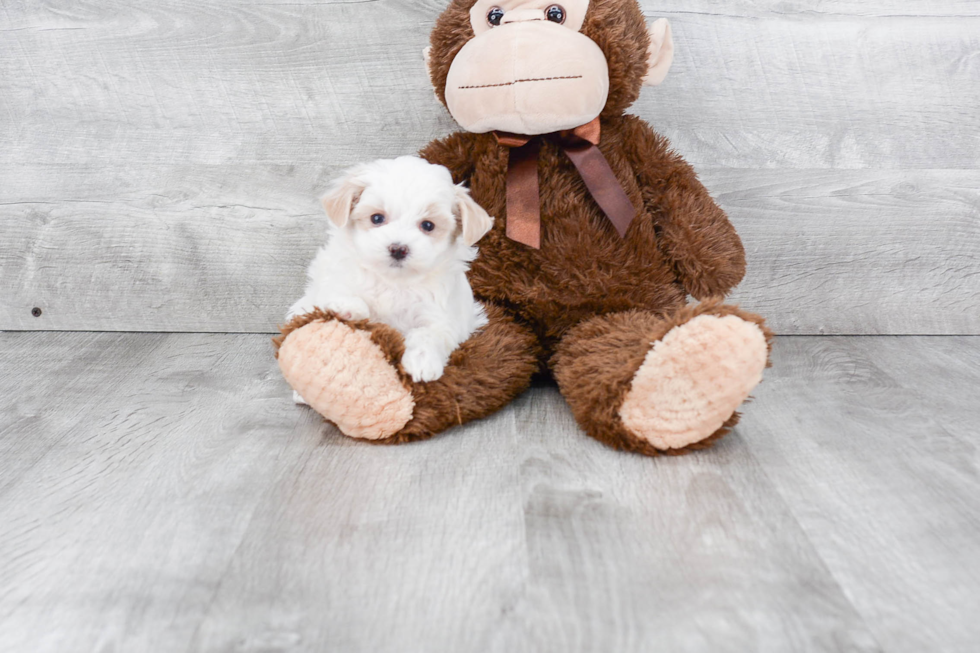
<point>402,237</point>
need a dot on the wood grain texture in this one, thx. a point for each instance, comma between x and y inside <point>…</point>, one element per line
<point>873,443</point>
<point>160,162</point>
<point>297,83</point>
<point>836,92</point>
<point>164,493</point>
<point>810,9</point>
<point>191,248</point>
<point>858,252</point>
<point>134,475</point>
<point>697,553</point>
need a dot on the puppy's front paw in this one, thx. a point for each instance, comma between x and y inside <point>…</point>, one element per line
<point>349,308</point>
<point>301,307</point>
<point>422,363</point>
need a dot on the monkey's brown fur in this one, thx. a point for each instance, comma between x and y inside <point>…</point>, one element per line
<point>500,360</point>
<point>598,358</point>
<point>587,305</point>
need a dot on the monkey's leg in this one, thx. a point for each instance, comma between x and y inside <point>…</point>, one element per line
<point>661,384</point>
<point>350,373</point>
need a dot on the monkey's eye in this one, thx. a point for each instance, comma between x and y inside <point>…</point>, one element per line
<point>556,14</point>
<point>427,226</point>
<point>494,16</point>
<point>377,218</point>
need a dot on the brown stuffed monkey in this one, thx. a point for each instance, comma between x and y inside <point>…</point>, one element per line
<point>601,233</point>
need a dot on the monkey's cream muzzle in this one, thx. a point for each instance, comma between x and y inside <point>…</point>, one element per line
<point>527,77</point>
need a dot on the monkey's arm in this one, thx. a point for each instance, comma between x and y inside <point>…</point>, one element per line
<point>455,152</point>
<point>695,233</point>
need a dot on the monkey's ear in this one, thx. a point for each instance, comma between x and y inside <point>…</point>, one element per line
<point>661,52</point>
<point>427,55</point>
<point>475,221</point>
<point>342,196</point>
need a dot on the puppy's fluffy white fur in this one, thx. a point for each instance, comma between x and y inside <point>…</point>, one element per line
<point>402,236</point>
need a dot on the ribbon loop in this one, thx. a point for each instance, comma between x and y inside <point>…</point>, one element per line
<point>581,147</point>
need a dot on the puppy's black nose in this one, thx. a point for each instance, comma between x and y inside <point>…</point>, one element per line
<point>398,252</point>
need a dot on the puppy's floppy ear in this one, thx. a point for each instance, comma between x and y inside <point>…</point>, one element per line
<point>342,195</point>
<point>475,221</point>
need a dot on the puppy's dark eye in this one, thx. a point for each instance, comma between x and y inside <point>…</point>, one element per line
<point>427,226</point>
<point>556,14</point>
<point>377,218</point>
<point>494,16</point>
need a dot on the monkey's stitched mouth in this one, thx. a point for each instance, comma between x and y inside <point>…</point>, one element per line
<point>521,81</point>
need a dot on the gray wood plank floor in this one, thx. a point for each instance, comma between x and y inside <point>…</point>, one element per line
<point>159,161</point>
<point>160,492</point>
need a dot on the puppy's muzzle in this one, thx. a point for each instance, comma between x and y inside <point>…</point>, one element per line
<point>398,252</point>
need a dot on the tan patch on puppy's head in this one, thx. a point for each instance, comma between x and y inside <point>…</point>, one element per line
<point>446,225</point>
<point>360,217</point>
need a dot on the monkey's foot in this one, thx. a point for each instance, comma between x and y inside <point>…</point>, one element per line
<point>346,377</point>
<point>693,379</point>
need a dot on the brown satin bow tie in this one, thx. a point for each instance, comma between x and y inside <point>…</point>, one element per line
<point>580,144</point>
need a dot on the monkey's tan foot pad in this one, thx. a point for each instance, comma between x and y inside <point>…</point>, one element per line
<point>343,375</point>
<point>693,379</point>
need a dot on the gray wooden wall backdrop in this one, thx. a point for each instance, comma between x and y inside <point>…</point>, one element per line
<point>159,161</point>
